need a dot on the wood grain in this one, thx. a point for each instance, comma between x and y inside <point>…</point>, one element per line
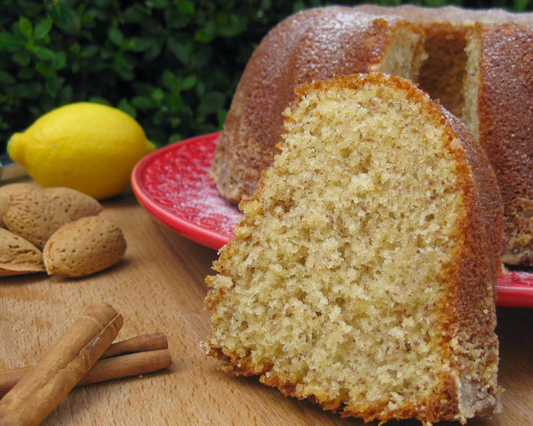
<point>159,287</point>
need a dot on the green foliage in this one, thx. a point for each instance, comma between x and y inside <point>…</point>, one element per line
<point>171,64</point>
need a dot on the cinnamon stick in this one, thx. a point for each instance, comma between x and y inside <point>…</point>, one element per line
<point>128,365</point>
<point>143,343</point>
<point>154,360</point>
<point>39,391</point>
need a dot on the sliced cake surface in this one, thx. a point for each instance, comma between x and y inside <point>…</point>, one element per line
<point>362,274</point>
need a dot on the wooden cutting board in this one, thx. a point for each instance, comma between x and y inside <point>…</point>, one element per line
<point>159,287</point>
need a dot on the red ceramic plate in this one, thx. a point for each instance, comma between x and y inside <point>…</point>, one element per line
<point>174,186</point>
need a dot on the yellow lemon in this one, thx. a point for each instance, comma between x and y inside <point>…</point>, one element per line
<point>88,147</point>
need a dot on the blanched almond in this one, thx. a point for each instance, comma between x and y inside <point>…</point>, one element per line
<point>75,203</point>
<point>18,256</point>
<point>33,216</point>
<point>83,247</point>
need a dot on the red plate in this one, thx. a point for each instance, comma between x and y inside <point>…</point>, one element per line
<point>174,186</point>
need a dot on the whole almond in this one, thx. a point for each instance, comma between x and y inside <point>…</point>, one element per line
<point>75,203</point>
<point>83,247</point>
<point>13,188</point>
<point>4,201</point>
<point>18,256</point>
<point>5,195</point>
<point>33,216</point>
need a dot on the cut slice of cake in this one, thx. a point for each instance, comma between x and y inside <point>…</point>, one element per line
<point>362,274</point>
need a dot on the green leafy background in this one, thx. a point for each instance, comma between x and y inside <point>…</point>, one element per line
<point>171,64</point>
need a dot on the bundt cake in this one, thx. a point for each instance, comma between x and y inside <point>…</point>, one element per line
<point>254,122</point>
<point>362,274</point>
<point>317,43</point>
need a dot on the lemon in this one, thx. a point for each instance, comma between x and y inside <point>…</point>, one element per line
<point>84,146</point>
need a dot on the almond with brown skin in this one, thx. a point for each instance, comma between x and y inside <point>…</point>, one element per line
<point>18,256</point>
<point>33,216</point>
<point>83,247</point>
<point>75,203</point>
<point>13,188</point>
<point>4,201</point>
<point>5,195</point>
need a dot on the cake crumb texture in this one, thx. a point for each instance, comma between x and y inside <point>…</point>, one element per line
<point>362,274</point>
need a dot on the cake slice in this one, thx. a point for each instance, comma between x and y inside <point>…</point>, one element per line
<point>362,274</point>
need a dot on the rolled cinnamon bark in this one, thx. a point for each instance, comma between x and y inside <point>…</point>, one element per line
<point>132,364</point>
<point>39,391</point>
<point>142,343</point>
<point>117,367</point>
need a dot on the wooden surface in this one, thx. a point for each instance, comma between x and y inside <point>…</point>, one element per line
<point>159,287</point>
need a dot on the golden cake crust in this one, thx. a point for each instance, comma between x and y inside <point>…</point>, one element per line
<point>505,109</point>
